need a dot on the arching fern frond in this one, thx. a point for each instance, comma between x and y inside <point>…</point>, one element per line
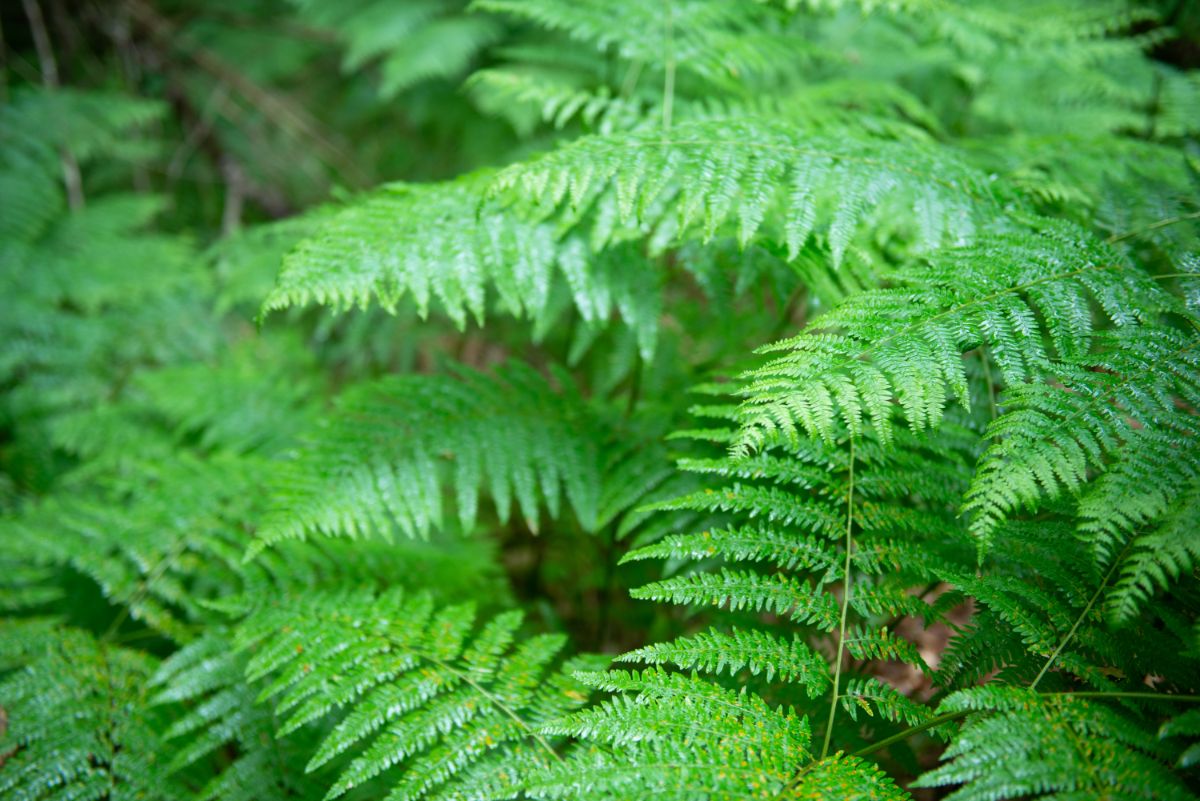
<point>747,175</point>
<point>1024,297</point>
<point>710,39</point>
<point>436,242</point>
<point>79,724</point>
<point>681,737</point>
<point>383,458</point>
<point>1158,557</point>
<point>1017,744</point>
<point>208,675</point>
<point>1127,409</point>
<point>461,712</point>
<point>677,737</point>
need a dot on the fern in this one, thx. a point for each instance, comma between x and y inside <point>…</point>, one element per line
<point>750,174</point>
<point>532,272</point>
<point>681,737</point>
<point>1156,558</point>
<point>418,42</point>
<point>1032,457</point>
<point>906,343</point>
<point>1048,747</point>
<point>710,39</point>
<point>80,723</point>
<point>210,673</point>
<point>917,279</point>
<point>399,430</point>
<point>461,712</point>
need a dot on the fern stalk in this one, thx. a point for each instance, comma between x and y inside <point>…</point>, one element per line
<point>837,664</point>
<point>503,707</point>
<point>950,717</point>
<point>669,77</point>
<point>1079,620</point>
<point>1154,226</point>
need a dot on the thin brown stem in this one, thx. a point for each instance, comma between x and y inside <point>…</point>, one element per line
<point>72,180</point>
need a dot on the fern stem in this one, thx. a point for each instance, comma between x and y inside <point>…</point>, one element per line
<point>1187,699</point>
<point>841,646</point>
<point>991,387</point>
<point>1163,276</point>
<point>937,720</point>
<point>669,78</point>
<point>496,702</point>
<point>1154,226</point>
<point>631,78</point>
<point>1078,621</point>
<point>950,717</point>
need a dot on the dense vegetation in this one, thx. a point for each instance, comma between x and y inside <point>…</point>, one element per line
<point>600,399</point>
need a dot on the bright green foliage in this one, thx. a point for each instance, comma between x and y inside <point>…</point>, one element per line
<point>906,343</point>
<point>1017,744</point>
<point>565,399</point>
<point>1132,397</point>
<point>210,673</point>
<point>748,175</point>
<point>455,709</point>
<point>717,652</point>
<point>395,243</point>
<point>1158,557</point>
<point>80,725</point>
<point>798,513</point>
<point>415,42</point>
<point>711,39</point>
<point>376,464</point>
<point>678,737</point>
<point>1041,622</point>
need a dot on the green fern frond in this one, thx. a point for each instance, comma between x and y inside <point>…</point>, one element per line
<point>526,95</point>
<point>1034,746</point>
<point>236,404</point>
<point>79,724</point>
<point>758,652</point>
<point>846,777</point>
<point>1013,294</point>
<point>459,711</point>
<point>797,600</point>
<point>208,676</point>
<point>1185,725</point>
<point>379,461</point>
<point>142,534</point>
<point>1122,410</point>
<point>1158,557</point>
<point>706,38</point>
<point>676,737</point>
<point>438,243</point>
<point>89,125</point>
<point>873,696</point>
<point>1040,619</point>
<point>411,43</point>
<point>679,737</point>
<point>747,175</point>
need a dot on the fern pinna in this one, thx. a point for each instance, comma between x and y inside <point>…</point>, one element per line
<point>563,399</point>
